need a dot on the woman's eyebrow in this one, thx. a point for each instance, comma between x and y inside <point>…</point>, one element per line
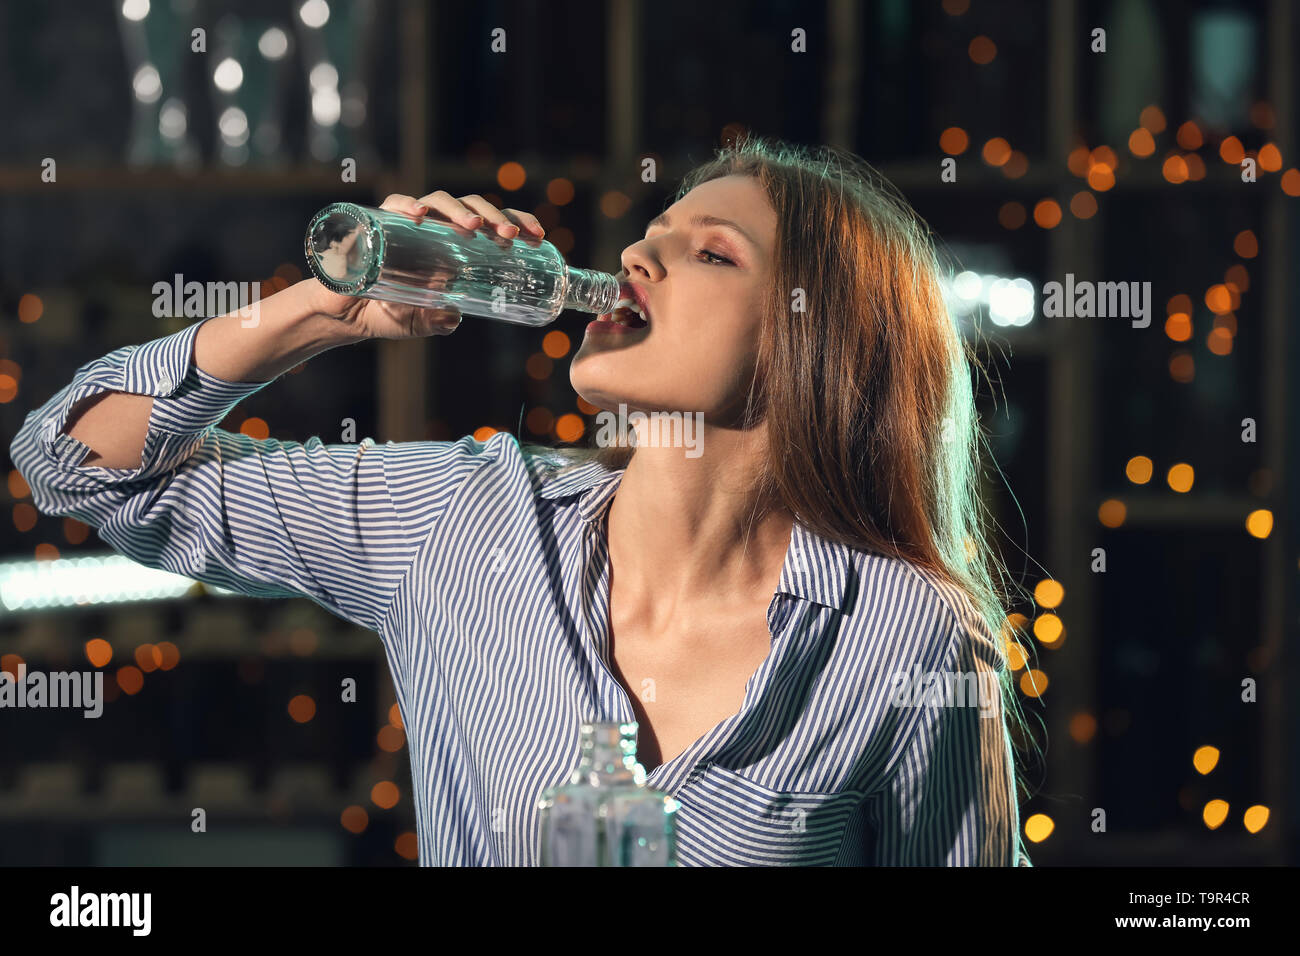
<point>702,219</point>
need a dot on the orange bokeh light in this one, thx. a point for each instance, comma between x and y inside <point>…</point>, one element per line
<point>302,708</point>
<point>559,191</point>
<point>255,428</point>
<point>130,679</point>
<point>98,651</point>
<point>983,50</point>
<point>1047,213</point>
<point>511,176</point>
<point>555,344</point>
<point>30,308</point>
<point>569,427</point>
<point>1153,119</point>
<point>997,151</point>
<point>1141,142</point>
<point>385,794</point>
<point>1011,215</point>
<point>1083,204</point>
<point>954,141</point>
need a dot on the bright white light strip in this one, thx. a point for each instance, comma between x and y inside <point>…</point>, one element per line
<point>1009,301</point>
<point>77,582</point>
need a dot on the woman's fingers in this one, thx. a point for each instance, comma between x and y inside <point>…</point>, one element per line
<point>470,211</point>
<point>447,204</point>
<point>508,222</point>
<point>439,321</point>
<point>491,214</point>
<point>434,321</point>
<point>525,220</point>
<point>397,202</point>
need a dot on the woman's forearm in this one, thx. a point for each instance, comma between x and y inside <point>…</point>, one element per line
<point>285,331</point>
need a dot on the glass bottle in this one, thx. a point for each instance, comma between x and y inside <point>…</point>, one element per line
<point>605,815</point>
<point>395,257</point>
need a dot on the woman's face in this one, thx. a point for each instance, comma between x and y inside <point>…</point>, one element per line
<point>703,284</point>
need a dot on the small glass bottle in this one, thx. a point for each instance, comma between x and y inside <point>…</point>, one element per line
<point>605,815</point>
<point>395,257</point>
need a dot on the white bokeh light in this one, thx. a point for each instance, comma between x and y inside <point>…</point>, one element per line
<point>172,120</point>
<point>229,75</point>
<point>326,105</point>
<point>314,13</point>
<point>147,84</point>
<point>234,126</point>
<point>1011,301</point>
<point>273,44</point>
<point>323,74</point>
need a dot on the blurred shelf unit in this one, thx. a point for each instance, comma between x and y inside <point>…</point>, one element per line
<point>480,176</point>
<point>136,791</point>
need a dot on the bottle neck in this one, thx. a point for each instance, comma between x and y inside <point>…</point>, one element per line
<point>609,754</point>
<point>588,290</point>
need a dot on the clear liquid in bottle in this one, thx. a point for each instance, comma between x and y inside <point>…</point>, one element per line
<point>605,815</point>
<point>395,257</point>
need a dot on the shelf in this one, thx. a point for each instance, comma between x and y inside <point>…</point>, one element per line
<point>1183,511</point>
<point>311,179</point>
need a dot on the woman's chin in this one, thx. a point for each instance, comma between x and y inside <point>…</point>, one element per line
<point>603,400</point>
<point>597,388</point>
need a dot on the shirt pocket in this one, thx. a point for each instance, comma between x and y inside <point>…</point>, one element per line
<point>726,819</point>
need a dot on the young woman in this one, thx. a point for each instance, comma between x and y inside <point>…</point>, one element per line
<point>800,614</point>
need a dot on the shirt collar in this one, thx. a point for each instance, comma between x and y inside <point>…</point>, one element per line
<point>816,568</point>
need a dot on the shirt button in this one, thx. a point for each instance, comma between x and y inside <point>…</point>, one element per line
<point>165,383</point>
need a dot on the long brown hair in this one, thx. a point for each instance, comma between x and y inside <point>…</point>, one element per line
<point>866,392</point>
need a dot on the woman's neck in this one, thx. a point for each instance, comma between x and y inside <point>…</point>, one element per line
<point>689,529</point>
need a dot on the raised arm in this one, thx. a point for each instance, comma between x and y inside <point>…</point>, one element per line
<point>131,447</point>
<point>339,524</point>
<point>288,330</point>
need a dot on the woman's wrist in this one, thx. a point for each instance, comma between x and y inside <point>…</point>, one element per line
<point>263,342</point>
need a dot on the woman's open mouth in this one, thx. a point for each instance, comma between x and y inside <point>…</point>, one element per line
<point>627,313</point>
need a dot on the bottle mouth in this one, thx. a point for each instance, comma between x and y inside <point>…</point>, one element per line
<point>344,248</point>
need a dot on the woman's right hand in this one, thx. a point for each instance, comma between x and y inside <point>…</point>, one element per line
<point>373,319</point>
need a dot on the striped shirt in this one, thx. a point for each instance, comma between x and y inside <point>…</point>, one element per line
<point>484,569</point>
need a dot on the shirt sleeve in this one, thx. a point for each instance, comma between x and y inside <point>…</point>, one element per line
<point>339,524</point>
<point>951,799</point>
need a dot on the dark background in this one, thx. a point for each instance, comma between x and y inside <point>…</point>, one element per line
<point>1155,649</point>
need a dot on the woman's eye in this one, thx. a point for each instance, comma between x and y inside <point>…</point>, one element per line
<point>714,255</point>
